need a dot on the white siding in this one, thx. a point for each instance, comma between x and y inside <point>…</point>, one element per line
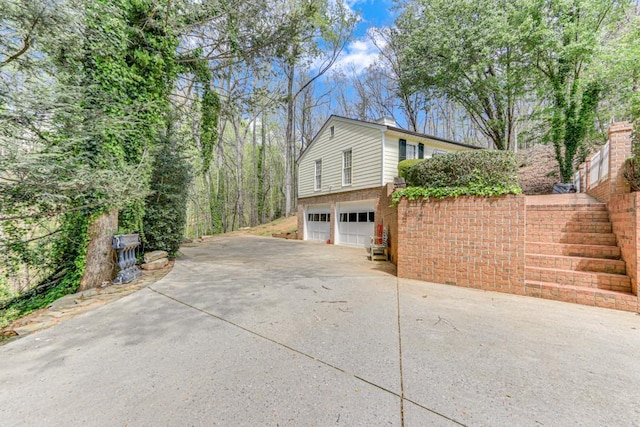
<point>392,151</point>
<point>364,140</point>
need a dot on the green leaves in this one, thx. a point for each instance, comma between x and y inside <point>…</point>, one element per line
<point>415,193</point>
<point>464,50</point>
<point>467,173</point>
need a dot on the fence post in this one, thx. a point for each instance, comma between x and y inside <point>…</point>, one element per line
<point>125,245</point>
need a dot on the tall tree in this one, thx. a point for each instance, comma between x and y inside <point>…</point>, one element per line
<point>464,50</point>
<point>561,39</point>
<point>318,31</point>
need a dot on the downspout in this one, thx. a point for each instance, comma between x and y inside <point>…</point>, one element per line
<point>384,143</point>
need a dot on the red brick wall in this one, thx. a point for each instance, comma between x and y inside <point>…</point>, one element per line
<point>623,212</point>
<point>619,150</point>
<point>387,215</point>
<point>620,143</point>
<point>468,241</point>
<point>600,191</point>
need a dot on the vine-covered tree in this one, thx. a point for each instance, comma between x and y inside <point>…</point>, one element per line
<point>561,39</point>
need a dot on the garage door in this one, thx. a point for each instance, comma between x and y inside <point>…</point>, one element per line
<point>318,223</point>
<point>355,223</point>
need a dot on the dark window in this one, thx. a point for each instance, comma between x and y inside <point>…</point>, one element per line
<point>353,217</point>
<point>421,151</point>
<point>403,150</point>
<point>316,217</point>
<point>362,216</point>
<point>323,217</point>
<point>333,131</point>
<point>372,217</point>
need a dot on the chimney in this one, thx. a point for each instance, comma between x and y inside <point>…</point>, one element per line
<point>387,121</point>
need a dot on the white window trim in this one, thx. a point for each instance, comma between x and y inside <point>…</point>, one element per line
<point>317,175</point>
<point>345,184</point>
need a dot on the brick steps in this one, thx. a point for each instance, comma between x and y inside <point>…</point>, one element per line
<point>566,216</point>
<point>584,279</point>
<point>588,251</point>
<point>570,227</point>
<point>607,239</point>
<point>585,296</point>
<point>577,263</point>
<point>571,253</point>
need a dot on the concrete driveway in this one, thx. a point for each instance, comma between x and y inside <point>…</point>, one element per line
<point>250,331</point>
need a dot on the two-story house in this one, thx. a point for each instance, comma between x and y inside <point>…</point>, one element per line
<point>342,171</point>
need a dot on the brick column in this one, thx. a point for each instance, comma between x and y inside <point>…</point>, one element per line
<point>300,221</point>
<point>583,178</point>
<point>619,151</point>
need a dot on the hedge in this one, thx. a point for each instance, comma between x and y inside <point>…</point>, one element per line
<point>405,165</point>
<point>472,173</point>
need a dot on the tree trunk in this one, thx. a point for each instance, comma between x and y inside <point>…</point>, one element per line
<point>101,258</point>
<point>288,152</point>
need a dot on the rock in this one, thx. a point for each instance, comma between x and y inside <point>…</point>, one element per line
<point>152,256</point>
<point>155,265</point>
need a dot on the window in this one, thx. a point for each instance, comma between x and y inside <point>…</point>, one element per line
<point>332,130</point>
<point>324,217</point>
<point>410,151</point>
<point>318,174</point>
<point>357,216</point>
<point>346,167</point>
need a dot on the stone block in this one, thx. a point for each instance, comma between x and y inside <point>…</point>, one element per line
<point>155,255</point>
<point>156,264</point>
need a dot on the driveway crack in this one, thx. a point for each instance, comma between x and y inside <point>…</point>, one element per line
<point>315,359</point>
<point>400,353</point>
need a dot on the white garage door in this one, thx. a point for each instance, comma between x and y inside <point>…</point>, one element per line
<point>318,223</point>
<point>355,223</point>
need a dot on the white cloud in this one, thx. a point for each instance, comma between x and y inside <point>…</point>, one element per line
<point>360,54</point>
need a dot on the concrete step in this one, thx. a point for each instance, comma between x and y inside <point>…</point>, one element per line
<point>584,279</point>
<point>579,295</point>
<point>587,251</point>
<point>606,239</point>
<point>561,262</point>
<point>570,227</point>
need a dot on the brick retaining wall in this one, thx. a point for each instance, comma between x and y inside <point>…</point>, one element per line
<point>623,211</point>
<point>387,215</point>
<point>469,241</point>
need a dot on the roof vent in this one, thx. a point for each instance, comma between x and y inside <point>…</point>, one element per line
<point>387,121</point>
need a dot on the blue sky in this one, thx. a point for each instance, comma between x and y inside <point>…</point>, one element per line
<point>374,13</point>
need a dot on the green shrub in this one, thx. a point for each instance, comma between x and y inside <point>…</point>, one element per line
<point>631,166</point>
<point>405,165</point>
<point>631,172</point>
<point>166,208</point>
<point>461,169</point>
<point>468,173</point>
